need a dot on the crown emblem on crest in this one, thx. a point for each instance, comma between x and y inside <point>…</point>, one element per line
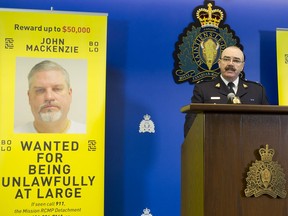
<point>209,17</point>
<point>147,117</point>
<point>266,154</point>
<point>146,212</point>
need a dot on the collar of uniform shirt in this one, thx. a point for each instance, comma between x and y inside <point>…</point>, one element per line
<point>236,82</point>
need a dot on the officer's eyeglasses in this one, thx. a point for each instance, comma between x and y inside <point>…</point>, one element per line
<point>234,60</point>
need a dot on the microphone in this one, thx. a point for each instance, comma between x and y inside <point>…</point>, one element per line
<point>233,99</point>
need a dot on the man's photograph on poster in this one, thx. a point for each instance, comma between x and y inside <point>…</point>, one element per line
<point>50,95</point>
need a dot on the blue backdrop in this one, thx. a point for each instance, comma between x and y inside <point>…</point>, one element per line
<point>143,169</point>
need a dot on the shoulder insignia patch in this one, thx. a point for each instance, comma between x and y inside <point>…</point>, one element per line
<point>245,86</point>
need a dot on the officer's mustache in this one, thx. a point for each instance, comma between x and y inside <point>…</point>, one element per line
<point>230,67</point>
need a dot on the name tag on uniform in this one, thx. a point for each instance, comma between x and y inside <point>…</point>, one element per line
<point>215,98</point>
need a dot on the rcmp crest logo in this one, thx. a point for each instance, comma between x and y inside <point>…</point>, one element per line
<point>147,125</point>
<point>266,176</point>
<point>199,47</point>
<point>146,212</point>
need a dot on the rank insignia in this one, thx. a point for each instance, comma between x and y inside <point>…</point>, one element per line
<point>245,86</point>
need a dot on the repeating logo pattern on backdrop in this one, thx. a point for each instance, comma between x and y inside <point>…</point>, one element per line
<point>199,47</point>
<point>146,125</point>
<point>146,212</point>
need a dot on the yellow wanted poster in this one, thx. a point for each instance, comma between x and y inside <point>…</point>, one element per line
<point>52,112</point>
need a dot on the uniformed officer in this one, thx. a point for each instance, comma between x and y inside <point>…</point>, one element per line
<point>231,64</point>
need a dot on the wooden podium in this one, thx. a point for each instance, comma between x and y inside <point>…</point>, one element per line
<point>221,145</point>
